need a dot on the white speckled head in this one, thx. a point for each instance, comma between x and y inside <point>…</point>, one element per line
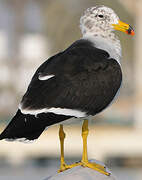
<point>96,26</point>
<point>98,19</point>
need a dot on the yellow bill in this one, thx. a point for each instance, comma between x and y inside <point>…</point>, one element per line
<point>121,26</point>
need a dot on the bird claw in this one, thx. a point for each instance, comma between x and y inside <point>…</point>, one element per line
<point>94,166</point>
<point>64,167</point>
<point>97,167</point>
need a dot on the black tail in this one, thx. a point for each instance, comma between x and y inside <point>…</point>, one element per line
<point>23,126</point>
<point>29,127</point>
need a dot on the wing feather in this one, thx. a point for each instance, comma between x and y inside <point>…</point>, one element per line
<point>85,79</point>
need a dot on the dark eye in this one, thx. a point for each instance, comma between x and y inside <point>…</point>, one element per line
<point>101,16</point>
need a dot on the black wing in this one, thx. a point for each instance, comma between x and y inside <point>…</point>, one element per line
<point>82,78</point>
<point>85,79</point>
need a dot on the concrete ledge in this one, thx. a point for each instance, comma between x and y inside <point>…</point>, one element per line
<point>81,173</point>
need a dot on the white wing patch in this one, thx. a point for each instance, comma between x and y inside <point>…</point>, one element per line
<point>43,78</point>
<point>23,140</point>
<point>59,111</point>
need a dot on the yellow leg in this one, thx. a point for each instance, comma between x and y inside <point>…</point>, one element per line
<point>63,165</point>
<point>62,137</point>
<point>85,132</point>
<point>85,161</point>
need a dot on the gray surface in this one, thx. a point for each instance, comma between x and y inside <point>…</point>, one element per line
<point>81,173</point>
<point>41,173</point>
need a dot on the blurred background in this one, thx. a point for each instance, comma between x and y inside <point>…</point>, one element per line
<point>30,32</point>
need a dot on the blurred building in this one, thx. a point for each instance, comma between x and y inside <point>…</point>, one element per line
<point>24,47</point>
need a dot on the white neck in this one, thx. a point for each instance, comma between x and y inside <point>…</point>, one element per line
<point>109,43</point>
